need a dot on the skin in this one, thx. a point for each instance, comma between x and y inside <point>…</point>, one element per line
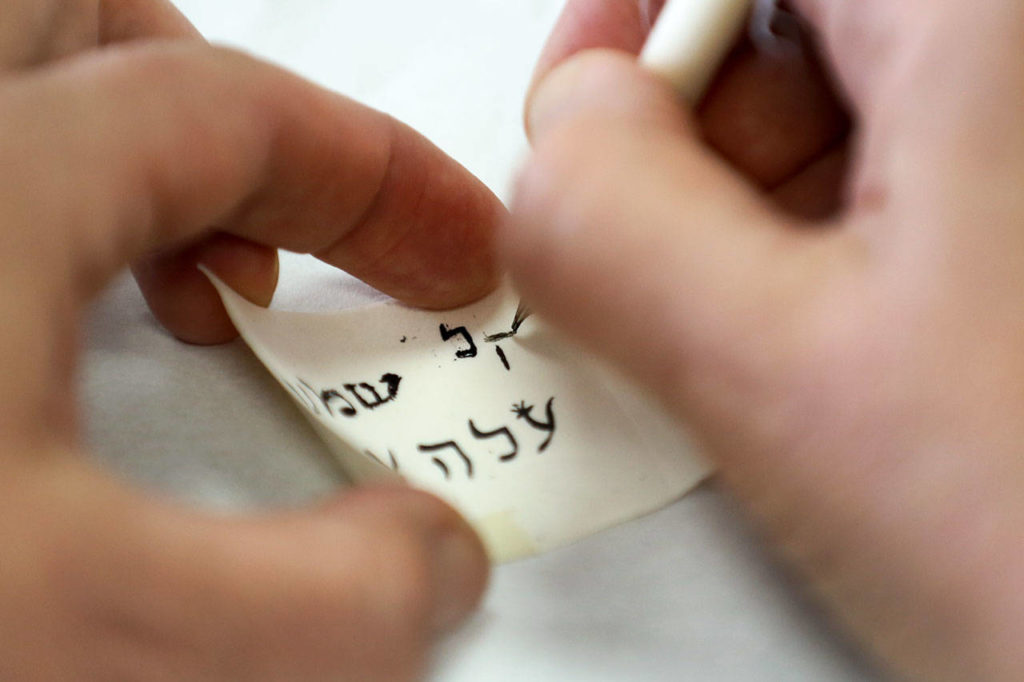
<point>826,266</point>
<point>836,315</point>
<point>106,164</point>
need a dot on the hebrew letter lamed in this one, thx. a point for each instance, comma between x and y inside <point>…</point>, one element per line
<point>447,334</point>
<point>503,431</point>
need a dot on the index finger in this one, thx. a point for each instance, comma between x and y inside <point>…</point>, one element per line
<point>151,145</point>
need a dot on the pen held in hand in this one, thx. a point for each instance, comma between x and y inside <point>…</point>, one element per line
<point>522,312</point>
<point>691,39</point>
<point>687,46</point>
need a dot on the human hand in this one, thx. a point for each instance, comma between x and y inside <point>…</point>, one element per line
<point>126,137</point>
<point>847,340</point>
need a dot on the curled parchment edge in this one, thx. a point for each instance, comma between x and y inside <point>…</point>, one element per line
<point>504,538</point>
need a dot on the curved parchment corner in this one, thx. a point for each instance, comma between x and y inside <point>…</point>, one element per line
<point>534,441</point>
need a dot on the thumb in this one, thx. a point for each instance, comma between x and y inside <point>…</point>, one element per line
<point>630,234</point>
<point>355,590</point>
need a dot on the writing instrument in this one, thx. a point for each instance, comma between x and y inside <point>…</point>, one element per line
<point>522,312</point>
<point>691,39</point>
<point>686,47</point>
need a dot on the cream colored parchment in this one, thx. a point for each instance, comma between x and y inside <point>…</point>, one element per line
<point>534,441</point>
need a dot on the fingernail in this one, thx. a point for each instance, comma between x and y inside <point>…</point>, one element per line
<point>460,566</point>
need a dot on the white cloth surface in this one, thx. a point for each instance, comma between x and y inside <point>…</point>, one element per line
<point>685,594</point>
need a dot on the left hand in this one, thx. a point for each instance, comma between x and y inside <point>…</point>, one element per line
<point>127,139</point>
<point>120,79</point>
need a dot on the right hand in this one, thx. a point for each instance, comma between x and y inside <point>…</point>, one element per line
<point>847,339</point>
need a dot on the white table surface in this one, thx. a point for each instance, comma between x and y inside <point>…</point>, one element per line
<point>688,593</point>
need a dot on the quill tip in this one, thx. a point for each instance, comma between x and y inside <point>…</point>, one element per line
<point>522,312</point>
